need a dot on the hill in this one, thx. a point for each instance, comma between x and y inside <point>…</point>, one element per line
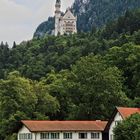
<point>82,76</point>
<point>92,13</point>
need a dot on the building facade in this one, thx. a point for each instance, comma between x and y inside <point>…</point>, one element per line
<point>119,114</point>
<point>74,130</point>
<point>66,24</point>
<point>61,130</point>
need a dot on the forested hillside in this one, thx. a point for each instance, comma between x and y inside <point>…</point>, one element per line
<point>99,12</point>
<point>92,13</point>
<point>82,76</point>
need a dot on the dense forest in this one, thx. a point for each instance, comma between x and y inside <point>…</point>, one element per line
<point>81,76</point>
<point>97,13</point>
<point>92,13</point>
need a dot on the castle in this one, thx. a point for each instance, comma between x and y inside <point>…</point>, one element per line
<point>65,24</point>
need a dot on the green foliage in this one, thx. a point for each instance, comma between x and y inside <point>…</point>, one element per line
<point>99,12</point>
<point>127,58</point>
<point>45,28</point>
<point>57,87</point>
<point>130,22</point>
<point>11,137</point>
<point>46,104</point>
<point>81,76</point>
<point>4,55</point>
<point>137,102</point>
<point>95,87</point>
<point>129,129</point>
<point>21,98</point>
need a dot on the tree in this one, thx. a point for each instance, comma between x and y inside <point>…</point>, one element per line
<point>128,129</point>
<point>21,98</point>
<point>12,137</point>
<point>95,88</point>
<point>46,105</point>
<point>14,45</point>
<point>126,59</point>
<point>17,102</point>
<point>57,87</point>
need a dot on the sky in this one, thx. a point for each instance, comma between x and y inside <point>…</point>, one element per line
<point>20,18</point>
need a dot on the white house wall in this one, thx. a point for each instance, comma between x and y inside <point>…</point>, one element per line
<point>75,135</point>
<point>26,130</point>
<point>118,117</point>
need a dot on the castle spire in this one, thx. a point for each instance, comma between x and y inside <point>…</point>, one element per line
<point>57,16</point>
<point>58,6</point>
<point>58,1</point>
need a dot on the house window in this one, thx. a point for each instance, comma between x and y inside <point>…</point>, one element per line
<point>82,135</point>
<point>49,135</point>
<point>44,135</point>
<point>54,135</point>
<point>67,135</point>
<point>117,122</point>
<point>111,137</point>
<point>95,135</point>
<point>25,136</point>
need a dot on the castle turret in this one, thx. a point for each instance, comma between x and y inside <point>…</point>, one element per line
<point>57,16</point>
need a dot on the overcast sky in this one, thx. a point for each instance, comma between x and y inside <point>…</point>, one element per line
<point>20,18</point>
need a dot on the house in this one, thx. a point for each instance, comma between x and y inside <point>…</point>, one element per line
<point>64,24</point>
<point>119,114</point>
<point>74,130</point>
<point>61,130</point>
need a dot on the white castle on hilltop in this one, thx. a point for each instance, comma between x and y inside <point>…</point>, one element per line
<point>64,24</point>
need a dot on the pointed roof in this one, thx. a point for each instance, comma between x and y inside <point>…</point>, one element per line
<point>58,1</point>
<point>50,126</point>
<point>69,15</point>
<point>125,112</point>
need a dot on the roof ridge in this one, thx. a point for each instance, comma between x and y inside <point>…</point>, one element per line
<point>68,120</point>
<point>129,107</point>
<point>127,111</point>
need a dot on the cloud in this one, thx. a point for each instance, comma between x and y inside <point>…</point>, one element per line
<point>12,13</point>
<point>17,33</point>
<point>19,18</point>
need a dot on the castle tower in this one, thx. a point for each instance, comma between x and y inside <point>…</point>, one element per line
<point>57,16</point>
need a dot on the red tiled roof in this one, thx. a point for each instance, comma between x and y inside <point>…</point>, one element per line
<point>46,126</point>
<point>126,112</point>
